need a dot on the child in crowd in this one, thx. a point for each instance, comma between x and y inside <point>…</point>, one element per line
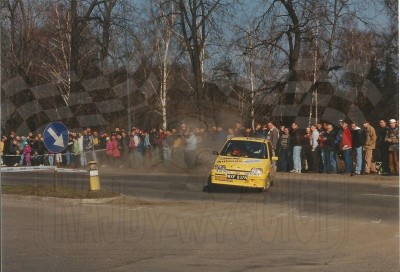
<point>27,154</point>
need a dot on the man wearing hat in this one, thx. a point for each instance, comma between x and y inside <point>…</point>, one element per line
<point>392,139</point>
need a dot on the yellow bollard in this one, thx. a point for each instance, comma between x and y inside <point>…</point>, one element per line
<point>94,176</point>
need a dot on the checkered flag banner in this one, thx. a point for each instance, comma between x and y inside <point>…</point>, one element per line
<point>344,88</point>
<point>337,92</point>
<point>99,102</point>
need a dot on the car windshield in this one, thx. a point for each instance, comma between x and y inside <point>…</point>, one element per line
<point>245,149</point>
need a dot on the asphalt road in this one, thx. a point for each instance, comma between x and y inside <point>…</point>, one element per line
<point>165,222</point>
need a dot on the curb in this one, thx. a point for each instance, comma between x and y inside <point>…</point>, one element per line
<point>40,168</point>
<point>318,177</point>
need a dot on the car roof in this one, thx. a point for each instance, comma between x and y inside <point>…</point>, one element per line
<point>249,139</point>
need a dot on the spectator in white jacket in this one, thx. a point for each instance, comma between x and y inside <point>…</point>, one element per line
<point>81,153</point>
<point>190,148</point>
<point>315,152</point>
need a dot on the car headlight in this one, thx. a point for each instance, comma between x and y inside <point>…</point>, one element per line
<point>220,168</point>
<point>256,172</point>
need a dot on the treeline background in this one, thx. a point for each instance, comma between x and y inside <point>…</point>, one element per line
<point>120,63</point>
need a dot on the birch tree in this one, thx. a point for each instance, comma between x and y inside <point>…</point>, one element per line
<point>195,23</point>
<point>56,45</point>
<point>165,21</point>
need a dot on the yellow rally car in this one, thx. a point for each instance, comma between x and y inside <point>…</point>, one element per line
<point>246,162</point>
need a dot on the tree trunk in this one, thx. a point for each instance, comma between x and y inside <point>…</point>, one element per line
<point>164,76</point>
<point>294,54</point>
<point>75,33</point>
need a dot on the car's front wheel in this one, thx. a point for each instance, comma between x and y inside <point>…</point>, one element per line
<point>208,188</point>
<point>273,181</point>
<point>267,184</point>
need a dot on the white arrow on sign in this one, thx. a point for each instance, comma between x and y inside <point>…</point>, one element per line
<point>59,139</point>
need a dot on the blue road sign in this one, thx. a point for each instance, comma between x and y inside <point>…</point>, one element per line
<point>55,137</point>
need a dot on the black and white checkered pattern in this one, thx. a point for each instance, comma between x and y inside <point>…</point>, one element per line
<point>98,103</point>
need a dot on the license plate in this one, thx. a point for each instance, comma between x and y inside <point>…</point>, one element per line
<point>234,176</point>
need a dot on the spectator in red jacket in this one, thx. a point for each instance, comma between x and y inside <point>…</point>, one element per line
<point>346,145</point>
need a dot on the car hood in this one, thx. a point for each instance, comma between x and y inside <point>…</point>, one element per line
<point>240,163</point>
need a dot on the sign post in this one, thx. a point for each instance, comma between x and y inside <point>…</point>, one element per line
<point>55,139</point>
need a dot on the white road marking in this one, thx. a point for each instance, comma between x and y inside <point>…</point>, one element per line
<point>390,186</point>
<point>285,213</point>
<point>397,196</point>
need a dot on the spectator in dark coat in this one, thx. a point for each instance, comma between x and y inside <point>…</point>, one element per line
<point>272,134</point>
<point>327,146</point>
<point>283,150</point>
<point>358,136</point>
<point>383,146</point>
<point>259,133</point>
<point>297,139</point>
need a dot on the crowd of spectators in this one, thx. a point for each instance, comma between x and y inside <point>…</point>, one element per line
<point>349,148</point>
<point>118,148</point>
